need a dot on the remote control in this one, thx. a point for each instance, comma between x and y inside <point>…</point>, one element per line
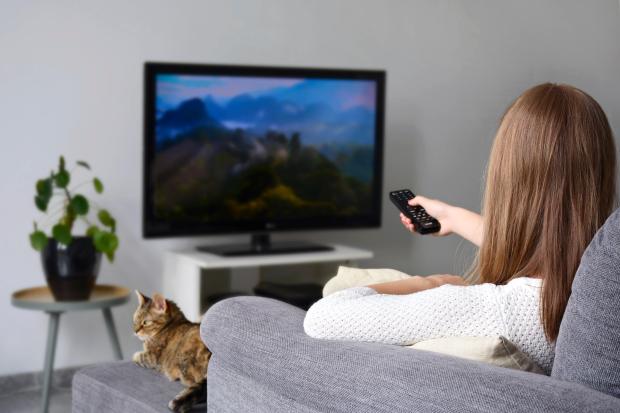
<point>424,223</point>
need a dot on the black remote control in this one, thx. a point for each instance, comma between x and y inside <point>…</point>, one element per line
<point>424,223</point>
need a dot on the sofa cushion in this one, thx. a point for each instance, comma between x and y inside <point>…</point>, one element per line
<point>263,362</point>
<point>123,387</point>
<point>588,345</point>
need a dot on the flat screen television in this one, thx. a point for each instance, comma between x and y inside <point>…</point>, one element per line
<point>244,149</point>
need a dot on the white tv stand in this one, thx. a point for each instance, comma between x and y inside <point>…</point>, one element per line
<point>190,276</point>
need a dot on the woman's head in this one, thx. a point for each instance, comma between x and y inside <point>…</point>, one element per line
<point>550,185</point>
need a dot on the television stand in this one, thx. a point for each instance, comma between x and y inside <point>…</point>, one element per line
<point>190,277</point>
<point>261,244</point>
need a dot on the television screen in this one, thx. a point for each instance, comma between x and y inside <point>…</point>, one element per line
<point>233,148</point>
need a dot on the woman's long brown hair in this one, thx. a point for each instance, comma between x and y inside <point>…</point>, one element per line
<point>550,186</point>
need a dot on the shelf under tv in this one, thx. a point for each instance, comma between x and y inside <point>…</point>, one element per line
<point>261,244</point>
<point>191,276</point>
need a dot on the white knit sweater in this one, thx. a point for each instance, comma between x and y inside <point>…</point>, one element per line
<point>485,310</point>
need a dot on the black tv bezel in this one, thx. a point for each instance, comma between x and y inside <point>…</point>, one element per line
<point>157,228</point>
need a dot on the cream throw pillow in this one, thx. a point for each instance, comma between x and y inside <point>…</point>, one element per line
<point>497,351</point>
<point>348,277</point>
<point>493,350</point>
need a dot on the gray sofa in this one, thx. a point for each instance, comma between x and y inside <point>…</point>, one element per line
<point>263,362</point>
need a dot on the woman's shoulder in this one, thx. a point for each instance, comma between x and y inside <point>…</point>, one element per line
<point>519,283</point>
<point>531,281</point>
<point>520,293</point>
<point>516,284</point>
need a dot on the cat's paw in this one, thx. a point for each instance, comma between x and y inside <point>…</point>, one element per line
<point>177,407</point>
<point>137,358</point>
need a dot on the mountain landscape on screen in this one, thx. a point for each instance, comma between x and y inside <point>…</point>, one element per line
<point>239,148</point>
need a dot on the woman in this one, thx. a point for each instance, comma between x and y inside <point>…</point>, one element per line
<point>550,185</point>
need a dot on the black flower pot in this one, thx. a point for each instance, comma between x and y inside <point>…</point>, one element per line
<point>71,270</point>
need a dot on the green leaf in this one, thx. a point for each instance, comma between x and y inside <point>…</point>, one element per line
<point>113,242</point>
<point>44,194</point>
<point>98,240</point>
<point>41,203</point>
<point>83,164</point>
<point>106,242</point>
<point>38,240</point>
<point>61,163</point>
<point>92,230</point>
<point>79,204</point>
<point>62,179</point>
<point>62,234</point>
<point>44,188</point>
<point>98,185</point>
<point>106,219</point>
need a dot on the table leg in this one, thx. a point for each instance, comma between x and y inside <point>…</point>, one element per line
<point>109,322</point>
<point>50,350</point>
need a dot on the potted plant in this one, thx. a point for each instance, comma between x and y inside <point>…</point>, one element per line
<point>71,262</point>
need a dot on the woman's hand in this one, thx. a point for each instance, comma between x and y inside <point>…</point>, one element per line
<point>452,219</point>
<point>437,209</point>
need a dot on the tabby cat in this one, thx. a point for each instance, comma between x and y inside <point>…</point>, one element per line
<point>172,346</point>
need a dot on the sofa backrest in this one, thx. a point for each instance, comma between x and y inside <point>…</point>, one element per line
<point>588,345</point>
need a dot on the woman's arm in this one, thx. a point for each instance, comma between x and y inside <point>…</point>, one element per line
<point>416,284</point>
<point>361,314</point>
<point>453,219</point>
<point>467,224</point>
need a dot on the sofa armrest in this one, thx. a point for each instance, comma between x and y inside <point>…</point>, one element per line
<point>263,341</point>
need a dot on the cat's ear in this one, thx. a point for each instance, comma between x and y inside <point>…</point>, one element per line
<point>160,303</point>
<point>141,298</point>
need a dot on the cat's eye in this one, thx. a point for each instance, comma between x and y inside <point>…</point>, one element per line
<point>146,322</point>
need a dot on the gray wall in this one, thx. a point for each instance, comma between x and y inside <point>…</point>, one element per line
<point>71,83</point>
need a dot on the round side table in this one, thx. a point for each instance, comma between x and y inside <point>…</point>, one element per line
<point>103,297</point>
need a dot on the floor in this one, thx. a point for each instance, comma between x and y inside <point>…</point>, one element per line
<point>28,401</point>
<point>21,393</point>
